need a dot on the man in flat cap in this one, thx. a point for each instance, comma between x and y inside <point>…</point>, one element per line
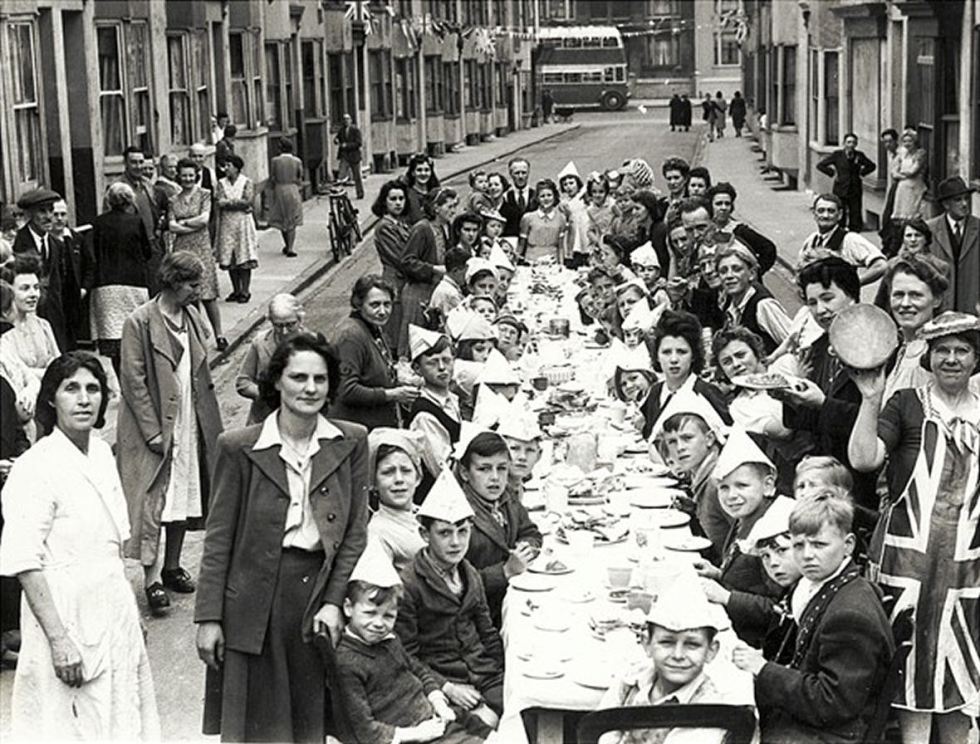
<point>34,239</point>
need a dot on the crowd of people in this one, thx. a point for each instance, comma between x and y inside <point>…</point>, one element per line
<point>362,528</point>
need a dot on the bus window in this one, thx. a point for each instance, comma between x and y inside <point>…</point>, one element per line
<point>553,77</point>
<point>572,43</point>
<point>610,74</point>
<point>573,77</point>
<point>591,77</point>
<point>620,74</point>
<point>610,41</point>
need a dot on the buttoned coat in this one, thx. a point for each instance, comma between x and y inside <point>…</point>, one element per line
<point>964,290</point>
<point>148,407</point>
<point>52,279</point>
<point>511,210</point>
<point>247,521</point>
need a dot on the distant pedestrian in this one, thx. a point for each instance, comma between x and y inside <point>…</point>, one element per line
<point>236,240</point>
<point>121,249</point>
<point>847,167</point>
<point>737,109</point>
<point>348,141</point>
<point>285,211</point>
<point>676,112</point>
<point>547,105</point>
<point>224,148</point>
<point>891,230</point>
<point>720,109</point>
<point>708,114</point>
<point>686,113</point>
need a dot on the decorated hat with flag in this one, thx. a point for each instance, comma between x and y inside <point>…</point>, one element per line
<point>687,401</point>
<point>464,324</point>
<point>739,450</point>
<point>498,371</point>
<point>773,523</point>
<point>645,255</point>
<point>375,567</point>
<point>446,500</point>
<point>420,340</point>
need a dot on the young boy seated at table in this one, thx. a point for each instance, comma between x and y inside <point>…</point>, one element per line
<point>444,620</point>
<point>448,294</point>
<point>691,433</point>
<point>746,489</point>
<point>395,465</point>
<point>388,695</point>
<point>829,689</point>
<point>680,642</point>
<point>435,413</point>
<point>753,613</point>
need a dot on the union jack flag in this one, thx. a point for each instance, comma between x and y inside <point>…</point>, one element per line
<point>930,562</point>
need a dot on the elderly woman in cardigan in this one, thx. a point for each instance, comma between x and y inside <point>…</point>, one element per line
<point>168,424</point>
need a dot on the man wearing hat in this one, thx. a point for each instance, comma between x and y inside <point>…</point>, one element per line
<point>956,239</point>
<point>34,239</point>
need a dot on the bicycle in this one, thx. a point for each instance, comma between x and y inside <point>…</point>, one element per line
<point>343,227</point>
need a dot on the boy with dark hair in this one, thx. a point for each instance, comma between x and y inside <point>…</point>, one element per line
<point>448,293</point>
<point>829,690</point>
<point>444,619</point>
<point>388,695</point>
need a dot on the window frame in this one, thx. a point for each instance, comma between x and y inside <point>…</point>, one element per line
<point>180,135</point>
<point>788,110</point>
<point>313,78</point>
<point>719,37</point>
<point>18,110</point>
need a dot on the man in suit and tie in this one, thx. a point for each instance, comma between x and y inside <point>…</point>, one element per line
<point>956,240</point>
<point>34,239</point>
<point>519,199</point>
<point>77,273</point>
<point>847,167</point>
<point>349,145</point>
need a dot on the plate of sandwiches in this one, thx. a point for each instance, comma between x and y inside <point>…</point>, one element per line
<point>549,565</point>
<point>764,381</point>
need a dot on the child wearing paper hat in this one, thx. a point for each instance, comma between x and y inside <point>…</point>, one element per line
<point>680,642</point>
<point>499,375</point>
<point>448,294</point>
<point>389,696</point>
<point>444,617</point>
<point>633,374</point>
<point>689,434</point>
<point>481,277</point>
<point>510,336</point>
<point>518,425</point>
<point>504,539</point>
<point>435,414</point>
<point>746,489</point>
<point>395,466</point>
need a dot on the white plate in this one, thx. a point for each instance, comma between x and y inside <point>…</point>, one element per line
<point>528,582</point>
<point>533,673</point>
<point>668,518</point>
<point>591,679</point>
<point>642,482</point>
<point>577,596</point>
<point>650,500</point>
<point>689,544</point>
<point>538,567</point>
<point>551,624</point>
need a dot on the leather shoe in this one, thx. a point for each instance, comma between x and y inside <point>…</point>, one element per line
<point>157,598</point>
<point>178,580</point>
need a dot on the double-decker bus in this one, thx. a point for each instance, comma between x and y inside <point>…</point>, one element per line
<point>583,66</point>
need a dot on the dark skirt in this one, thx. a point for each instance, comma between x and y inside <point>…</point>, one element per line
<point>280,694</point>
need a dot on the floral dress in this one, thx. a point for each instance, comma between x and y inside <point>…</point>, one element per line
<point>236,241</point>
<point>184,206</point>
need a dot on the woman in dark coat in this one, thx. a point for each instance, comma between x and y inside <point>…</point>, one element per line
<point>368,392</point>
<point>287,525</point>
<point>504,539</point>
<point>423,260</point>
<point>121,249</point>
<point>737,109</point>
<point>390,237</point>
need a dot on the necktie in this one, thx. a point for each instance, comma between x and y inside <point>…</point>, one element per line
<point>958,231</point>
<point>44,250</point>
<point>520,200</point>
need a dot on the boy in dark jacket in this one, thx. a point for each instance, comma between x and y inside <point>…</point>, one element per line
<point>444,620</point>
<point>389,696</point>
<point>829,690</point>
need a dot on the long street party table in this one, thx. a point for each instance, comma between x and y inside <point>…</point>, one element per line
<point>612,542</point>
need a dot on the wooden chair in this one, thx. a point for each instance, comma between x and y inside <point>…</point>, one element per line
<point>902,631</point>
<point>737,720</point>
<point>532,718</point>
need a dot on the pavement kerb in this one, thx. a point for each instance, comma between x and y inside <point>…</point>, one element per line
<point>315,271</point>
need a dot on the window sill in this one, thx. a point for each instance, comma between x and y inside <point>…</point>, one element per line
<point>380,118</point>
<point>786,128</point>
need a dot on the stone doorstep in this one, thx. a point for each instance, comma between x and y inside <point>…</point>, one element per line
<point>312,272</point>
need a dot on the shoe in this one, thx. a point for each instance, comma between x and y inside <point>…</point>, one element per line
<point>157,598</point>
<point>178,580</point>
<point>244,298</point>
<point>233,297</point>
<point>290,254</point>
<point>221,342</point>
